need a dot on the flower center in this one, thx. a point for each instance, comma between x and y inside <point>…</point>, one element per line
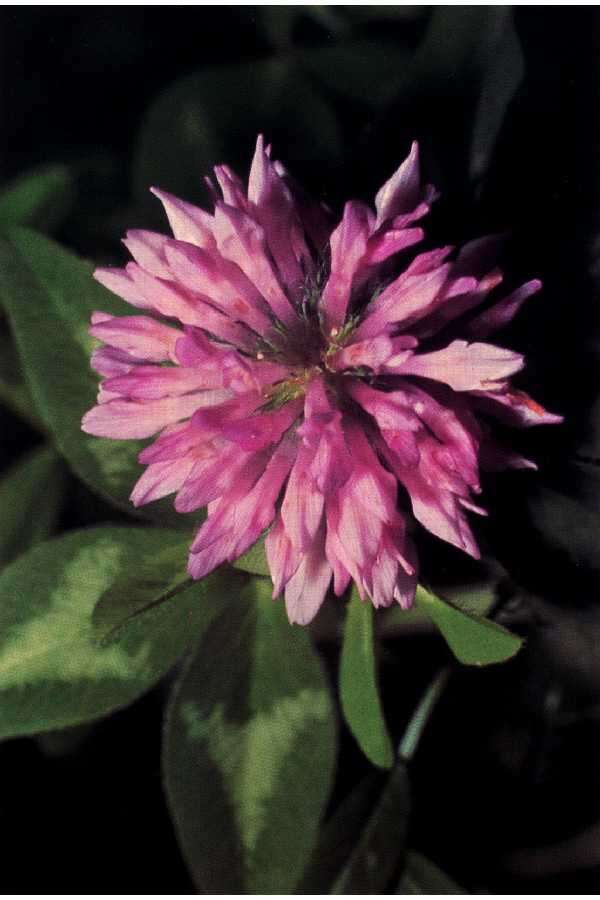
<point>306,349</point>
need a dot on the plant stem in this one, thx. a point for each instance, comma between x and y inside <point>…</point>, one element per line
<point>415,728</point>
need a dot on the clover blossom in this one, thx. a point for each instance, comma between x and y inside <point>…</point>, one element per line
<point>305,383</point>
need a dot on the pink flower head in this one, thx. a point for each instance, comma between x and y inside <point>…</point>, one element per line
<point>297,374</point>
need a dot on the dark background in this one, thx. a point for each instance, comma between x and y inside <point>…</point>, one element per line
<point>506,105</point>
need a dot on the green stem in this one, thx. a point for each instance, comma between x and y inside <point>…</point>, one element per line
<point>415,728</point>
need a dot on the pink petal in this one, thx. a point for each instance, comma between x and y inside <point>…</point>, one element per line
<point>124,419</point>
<point>403,300</point>
<point>515,408</point>
<point>441,514</point>
<point>323,435</point>
<point>261,429</point>
<point>164,296</point>
<point>500,314</point>
<point>238,519</point>
<point>217,474</point>
<point>161,479</point>
<point>169,300</point>
<point>188,222</point>
<point>282,558</point>
<point>222,283</point>
<point>155,382</point>
<point>303,503</point>
<point>385,244</point>
<point>308,586</point>
<point>396,418</point>
<point>348,247</point>
<point>275,210</point>
<point>315,217</point>
<point>461,295</point>
<point>174,442</point>
<point>465,367</point>
<point>243,241</point>
<point>238,372</point>
<point>372,353</point>
<point>401,193</point>
<point>111,362</point>
<point>141,336</point>
<point>148,250</point>
<point>232,187</point>
<point>406,585</point>
<point>120,283</point>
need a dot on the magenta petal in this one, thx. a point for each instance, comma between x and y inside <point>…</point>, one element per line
<point>384,245</point>
<point>406,298</point>
<point>188,222</point>
<point>514,408</point>
<point>308,586</point>
<point>125,419</point>
<point>148,250</point>
<point>216,474</point>
<point>261,429</point>
<point>500,314</point>
<point>373,353</point>
<point>239,518</point>
<point>140,336</point>
<point>242,240</point>
<point>406,585</point>
<point>401,193</point>
<point>276,212</point>
<point>303,503</point>
<point>348,247</point>
<point>441,514</point>
<point>283,559</point>
<point>221,283</point>
<point>155,382</point>
<point>161,479</point>
<point>465,367</point>
<point>232,188</point>
<point>109,361</point>
<point>119,282</point>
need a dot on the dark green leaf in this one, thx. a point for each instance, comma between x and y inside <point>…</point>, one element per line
<point>380,848</point>
<point>339,835</point>
<point>474,640</point>
<point>54,672</point>
<point>14,393</point>
<point>30,499</point>
<point>421,876</point>
<point>502,74</point>
<point>39,198</point>
<point>254,561</point>
<point>278,24</point>
<point>369,71</point>
<point>249,750</point>
<point>359,693</point>
<point>567,524</point>
<point>476,596</point>
<point>50,295</point>
<point>215,115</point>
<point>377,12</point>
<point>154,580</point>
